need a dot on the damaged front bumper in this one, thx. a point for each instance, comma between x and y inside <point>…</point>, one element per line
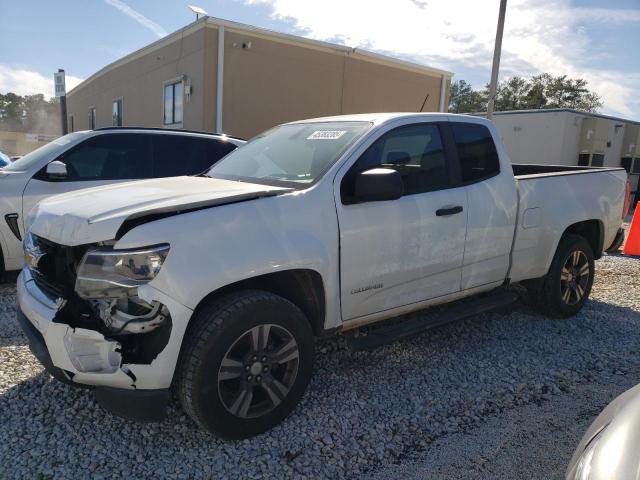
<point>85,357</point>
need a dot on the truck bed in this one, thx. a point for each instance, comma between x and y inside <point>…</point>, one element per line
<point>553,197</point>
<point>527,170</point>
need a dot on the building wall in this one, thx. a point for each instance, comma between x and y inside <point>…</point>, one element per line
<point>559,137</point>
<point>140,84</point>
<point>275,81</point>
<point>530,138</point>
<point>278,79</point>
<point>371,87</point>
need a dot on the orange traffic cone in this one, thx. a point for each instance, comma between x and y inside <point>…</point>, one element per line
<point>632,245</point>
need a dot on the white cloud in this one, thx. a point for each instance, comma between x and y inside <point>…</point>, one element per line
<point>27,82</point>
<point>539,36</point>
<point>138,17</point>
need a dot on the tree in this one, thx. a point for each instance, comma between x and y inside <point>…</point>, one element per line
<point>464,99</point>
<point>517,93</point>
<point>31,113</point>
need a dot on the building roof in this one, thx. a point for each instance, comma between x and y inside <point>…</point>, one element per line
<point>557,110</point>
<point>269,34</point>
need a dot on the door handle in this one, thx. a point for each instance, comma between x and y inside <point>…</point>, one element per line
<point>443,212</point>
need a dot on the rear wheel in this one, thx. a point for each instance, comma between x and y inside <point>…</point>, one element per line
<point>567,285</point>
<point>245,364</point>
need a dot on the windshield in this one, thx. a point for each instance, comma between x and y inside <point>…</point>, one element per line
<point>50,150</point>
<point>295,155</point>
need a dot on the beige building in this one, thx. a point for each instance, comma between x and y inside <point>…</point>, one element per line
<point>572,137</point>
<point>221,76</point>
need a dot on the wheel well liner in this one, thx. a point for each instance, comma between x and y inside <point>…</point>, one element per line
<point>592,231</point>
<point>302,287</point>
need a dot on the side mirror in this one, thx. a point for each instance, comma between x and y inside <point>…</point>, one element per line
<point>56,169</point>
<point>378,184</point>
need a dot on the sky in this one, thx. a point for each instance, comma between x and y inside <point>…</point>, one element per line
<point>595,40</point>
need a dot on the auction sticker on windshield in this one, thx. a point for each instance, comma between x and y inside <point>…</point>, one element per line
<point>326,134</point>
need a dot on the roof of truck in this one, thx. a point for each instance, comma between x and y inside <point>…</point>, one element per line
<point>387,116</point>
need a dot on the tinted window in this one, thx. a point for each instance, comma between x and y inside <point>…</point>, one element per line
<point>415,151</point>
<point>110,157</point>
<point>184,155</point>
<point>636,165</point>
<point>597,160</point>
<point>626,163</point>
<point>583,160</point>
<point>476,150</point>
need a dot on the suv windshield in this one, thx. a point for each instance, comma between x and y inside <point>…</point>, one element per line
<point>50,150</point>
<point>295,155</point>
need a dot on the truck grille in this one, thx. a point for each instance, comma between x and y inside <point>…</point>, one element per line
<point>56,270</point>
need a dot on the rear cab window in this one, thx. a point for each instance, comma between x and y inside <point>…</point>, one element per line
<point>477,152</point>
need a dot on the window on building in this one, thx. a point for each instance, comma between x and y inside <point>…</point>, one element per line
<point>597,160</point>
<point>414,151</point>
<point>476,151</point>
<point>116,113</point>
<point>71,125</point>
<point>583,160</point>
<point>92,118</point>
<point>173,96</point>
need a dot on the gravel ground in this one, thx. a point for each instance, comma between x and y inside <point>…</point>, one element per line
<point>504,395</point>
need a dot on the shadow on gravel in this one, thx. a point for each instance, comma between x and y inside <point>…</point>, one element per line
<point>361,411</point>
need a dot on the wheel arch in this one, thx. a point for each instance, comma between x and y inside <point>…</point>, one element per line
<point>302,287</point>
<point>592,231</point>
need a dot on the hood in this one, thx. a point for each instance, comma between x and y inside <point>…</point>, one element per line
<point>96,214</point>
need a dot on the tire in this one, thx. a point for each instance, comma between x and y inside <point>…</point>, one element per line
<point>226,354</point>
<point>563,291</point>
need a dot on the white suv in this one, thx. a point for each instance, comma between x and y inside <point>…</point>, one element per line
<point>94,158</point>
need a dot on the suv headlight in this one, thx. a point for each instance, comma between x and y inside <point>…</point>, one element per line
<point>108,273</point>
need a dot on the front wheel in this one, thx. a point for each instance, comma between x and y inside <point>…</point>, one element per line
<point>246,363</point>
<point>567,285</point>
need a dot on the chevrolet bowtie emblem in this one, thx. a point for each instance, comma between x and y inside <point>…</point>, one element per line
<point>32,257</point>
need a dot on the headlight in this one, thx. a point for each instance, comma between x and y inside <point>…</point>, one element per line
<point>583,468</point>
<point>108,273</point>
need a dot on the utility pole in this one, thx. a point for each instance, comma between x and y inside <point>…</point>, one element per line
<point>493,87</point>
<point>61,92</point>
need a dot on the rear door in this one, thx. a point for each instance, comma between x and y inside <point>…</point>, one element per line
<point>398,252</point>
<point>100,160</point>
<point>492,198</point>
<point>176,155</point>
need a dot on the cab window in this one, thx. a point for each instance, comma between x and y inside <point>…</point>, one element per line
<point>414,151</point>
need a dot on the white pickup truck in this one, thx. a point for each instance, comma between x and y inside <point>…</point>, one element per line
<point>216,285</point>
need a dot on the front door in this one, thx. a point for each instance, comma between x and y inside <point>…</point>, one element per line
<point>398,252</point>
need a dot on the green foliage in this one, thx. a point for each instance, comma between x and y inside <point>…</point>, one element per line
<point>29,113</point>
<point>517,93</point>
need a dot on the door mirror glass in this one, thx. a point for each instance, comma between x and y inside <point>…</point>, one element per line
<point>378,184</point>
<point>56,169</point>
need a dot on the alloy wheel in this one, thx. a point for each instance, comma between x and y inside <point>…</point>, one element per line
<point>574,277</point>
<point>258,371</point>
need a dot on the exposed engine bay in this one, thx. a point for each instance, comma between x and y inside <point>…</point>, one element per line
<point>110,307</point>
